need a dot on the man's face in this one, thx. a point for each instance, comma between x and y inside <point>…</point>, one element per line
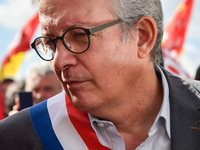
<point>103,75</point>
<point>43,87</point>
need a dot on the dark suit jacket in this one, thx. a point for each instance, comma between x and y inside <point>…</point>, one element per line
<point>184,98</point>
<point>17,132</point>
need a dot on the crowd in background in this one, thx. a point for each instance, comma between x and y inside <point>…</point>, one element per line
<point>40,80</point>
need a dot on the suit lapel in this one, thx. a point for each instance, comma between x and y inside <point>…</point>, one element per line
<point>184,114</point>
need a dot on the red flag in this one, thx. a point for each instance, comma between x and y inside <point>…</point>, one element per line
<point>14,58</point>
<point>174,36</point>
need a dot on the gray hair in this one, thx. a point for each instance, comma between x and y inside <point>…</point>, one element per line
<point>39,69</point>
<point>132,10</point>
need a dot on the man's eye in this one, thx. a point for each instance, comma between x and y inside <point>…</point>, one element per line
<point>79,34</point>
<point>47,42</point>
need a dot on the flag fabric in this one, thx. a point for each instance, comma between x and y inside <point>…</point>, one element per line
<point>18,48</point>
<point>13,60</point>
<point>59,125</point>
<point>174,36</point>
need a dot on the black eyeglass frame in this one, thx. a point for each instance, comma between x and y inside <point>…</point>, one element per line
<point>88,32</point>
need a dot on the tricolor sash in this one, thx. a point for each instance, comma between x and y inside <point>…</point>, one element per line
<point>59,125</point>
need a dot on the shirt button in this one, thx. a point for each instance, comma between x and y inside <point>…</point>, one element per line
<point>101,125</point>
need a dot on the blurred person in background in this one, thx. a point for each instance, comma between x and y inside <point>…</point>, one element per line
<point>42,82</point>
<point>11,95</point>
<point>6,82</point>
<point>5,85</point>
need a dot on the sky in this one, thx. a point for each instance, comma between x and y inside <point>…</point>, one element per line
<point>15,13</point>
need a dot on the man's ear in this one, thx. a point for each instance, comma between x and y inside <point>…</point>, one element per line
<point>147,31</point>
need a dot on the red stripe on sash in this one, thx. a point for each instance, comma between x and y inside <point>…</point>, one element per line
<point>81,122</point>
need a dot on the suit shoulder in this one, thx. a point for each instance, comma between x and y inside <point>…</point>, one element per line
<point>17,132</point>
<point>193,86</point>
<point>15,120</point>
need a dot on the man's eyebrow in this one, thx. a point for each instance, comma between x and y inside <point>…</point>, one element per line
<point>86,24</point>
<point>82,25</point>
<point>46,32</point>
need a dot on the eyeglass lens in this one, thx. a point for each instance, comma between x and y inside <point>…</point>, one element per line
<point>76,40</point>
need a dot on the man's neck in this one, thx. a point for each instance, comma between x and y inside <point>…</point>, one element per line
<point>136,114</point>
<point>135,126</point>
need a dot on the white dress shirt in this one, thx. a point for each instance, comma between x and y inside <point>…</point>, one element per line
<point>159,133</point>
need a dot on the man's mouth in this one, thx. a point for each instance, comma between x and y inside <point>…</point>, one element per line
<point>73,84</point>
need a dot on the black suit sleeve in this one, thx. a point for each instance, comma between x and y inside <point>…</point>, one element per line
<point>17,133</point>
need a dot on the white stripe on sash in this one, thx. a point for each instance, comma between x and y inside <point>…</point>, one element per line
<point>63,128</point>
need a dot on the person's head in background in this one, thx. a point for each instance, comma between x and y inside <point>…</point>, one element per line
<point>5,84</point>
<point>42,82</point>
<point>11,94</point>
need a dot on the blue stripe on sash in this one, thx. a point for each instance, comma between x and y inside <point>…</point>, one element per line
<point>43,127</point>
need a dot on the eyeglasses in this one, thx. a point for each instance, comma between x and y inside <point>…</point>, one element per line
<point>76,40</point>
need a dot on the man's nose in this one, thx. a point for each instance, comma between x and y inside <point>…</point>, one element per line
<point>63,57</point>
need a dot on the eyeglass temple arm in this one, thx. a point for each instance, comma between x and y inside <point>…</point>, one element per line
<point>101,27</point>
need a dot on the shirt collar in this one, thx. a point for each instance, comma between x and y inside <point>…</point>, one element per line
<point>165,108</point>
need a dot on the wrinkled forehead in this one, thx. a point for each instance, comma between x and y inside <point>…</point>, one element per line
<point>75,8</point>
<point>63,13</point>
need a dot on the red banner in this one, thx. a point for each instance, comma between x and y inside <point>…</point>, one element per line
<point>174,36</point>
<point>14,58</point>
